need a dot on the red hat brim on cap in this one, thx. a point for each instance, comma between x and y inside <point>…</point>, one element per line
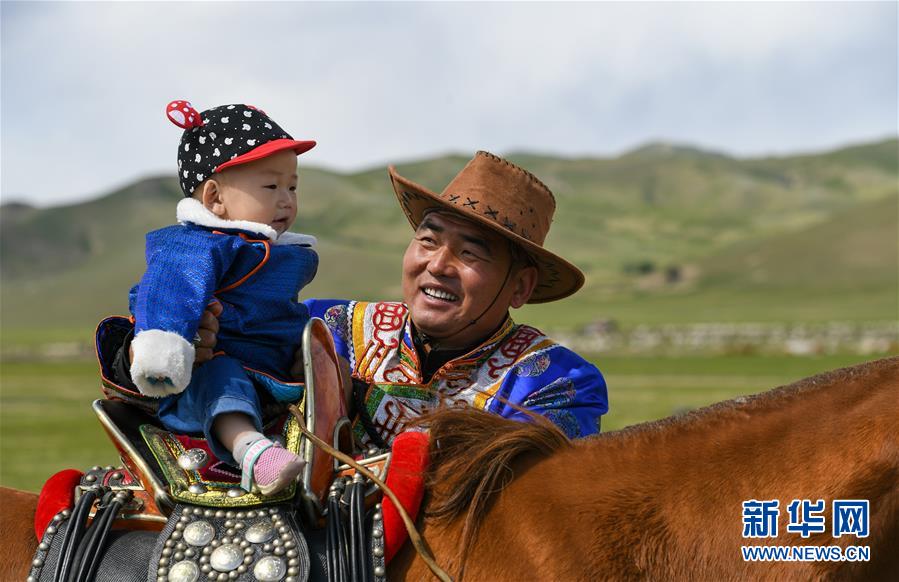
<point>267,149</point>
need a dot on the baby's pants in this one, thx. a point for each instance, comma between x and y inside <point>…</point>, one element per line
<point>219,386</point>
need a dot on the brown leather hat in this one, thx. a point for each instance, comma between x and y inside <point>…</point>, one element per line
<point>506,199</point>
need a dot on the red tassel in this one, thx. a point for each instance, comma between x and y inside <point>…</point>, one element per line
<point>406,477</point>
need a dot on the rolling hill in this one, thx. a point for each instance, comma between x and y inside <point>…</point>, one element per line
<point>664,233</point>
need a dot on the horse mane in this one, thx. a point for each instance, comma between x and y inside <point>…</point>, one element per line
<point>472,453</point>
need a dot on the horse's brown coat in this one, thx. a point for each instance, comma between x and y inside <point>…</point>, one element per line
<point>658,501</point>
<point>17,528</point>
<point>663,500</point>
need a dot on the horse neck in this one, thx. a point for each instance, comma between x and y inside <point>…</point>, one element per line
<point>820,430</point>
<point>668,495</point>
<point>661,498</point>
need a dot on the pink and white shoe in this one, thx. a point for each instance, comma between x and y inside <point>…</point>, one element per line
<point>270,466</point>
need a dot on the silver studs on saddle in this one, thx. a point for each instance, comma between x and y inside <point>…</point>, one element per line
<point>199,533</point>
<point>193,459</point>
<point>260,532</point>
<point>269,569</point>
<point>184,571</point>
<point>216,544</point>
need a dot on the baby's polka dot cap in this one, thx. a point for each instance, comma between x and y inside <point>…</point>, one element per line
<point>225,136</point>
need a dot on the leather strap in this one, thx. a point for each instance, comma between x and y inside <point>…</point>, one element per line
<point>359,559</point>
<point>336,546</point>
<point>359,390</point>
<point>95,542</point>
<point>73,535</point>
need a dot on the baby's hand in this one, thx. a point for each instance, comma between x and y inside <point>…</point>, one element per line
<point>161,385</point>
<point>155,386</point>
<point>209,328</point>
<point>155,381</point>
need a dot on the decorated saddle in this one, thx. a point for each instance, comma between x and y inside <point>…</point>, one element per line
<point>172,511</point>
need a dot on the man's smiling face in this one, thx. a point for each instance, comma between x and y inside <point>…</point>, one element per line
<point>454,272</point>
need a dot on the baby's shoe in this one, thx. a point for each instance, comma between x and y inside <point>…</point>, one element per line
<point>270,466</point>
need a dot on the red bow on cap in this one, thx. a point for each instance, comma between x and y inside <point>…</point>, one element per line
<point>183,114</point>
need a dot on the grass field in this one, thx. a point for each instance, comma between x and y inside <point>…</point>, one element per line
<point>46,423</point>
<point>648,388</point>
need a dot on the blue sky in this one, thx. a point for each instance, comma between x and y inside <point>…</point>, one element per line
<point>84,85</point>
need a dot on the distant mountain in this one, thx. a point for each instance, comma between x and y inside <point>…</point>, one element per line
<point>657,223</point>
<point>667,150</point>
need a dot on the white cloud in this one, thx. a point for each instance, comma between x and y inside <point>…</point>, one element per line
<point>84,84</point>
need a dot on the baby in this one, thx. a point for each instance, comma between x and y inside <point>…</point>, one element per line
<point>238,171</point>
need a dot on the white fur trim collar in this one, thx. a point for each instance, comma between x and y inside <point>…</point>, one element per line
<point>192,210</point>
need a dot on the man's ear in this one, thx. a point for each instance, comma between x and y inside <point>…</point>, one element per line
<point>211,197</point>
<point>523,284</point>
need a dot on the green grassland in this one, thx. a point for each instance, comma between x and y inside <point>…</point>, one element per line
<point>647,388</point>
<point>46,423</point>
<point>809,238</point>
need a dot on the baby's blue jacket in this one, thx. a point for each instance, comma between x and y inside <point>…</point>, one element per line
<point>256,280</point>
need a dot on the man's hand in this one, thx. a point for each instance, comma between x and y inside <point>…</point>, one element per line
<point>204,345</point>
<point>207,332</point>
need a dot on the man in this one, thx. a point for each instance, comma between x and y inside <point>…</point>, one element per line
<point>477,251</point>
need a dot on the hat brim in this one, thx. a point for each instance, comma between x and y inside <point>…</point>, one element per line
<point>267,149</point>
<point>557,278</point>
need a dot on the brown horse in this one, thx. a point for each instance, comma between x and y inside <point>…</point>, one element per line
<point>661,500</point>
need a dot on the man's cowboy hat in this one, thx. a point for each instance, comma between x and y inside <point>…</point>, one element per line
<point>509,200</point>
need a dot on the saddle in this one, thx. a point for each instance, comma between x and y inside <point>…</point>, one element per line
<point>183,511</point>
